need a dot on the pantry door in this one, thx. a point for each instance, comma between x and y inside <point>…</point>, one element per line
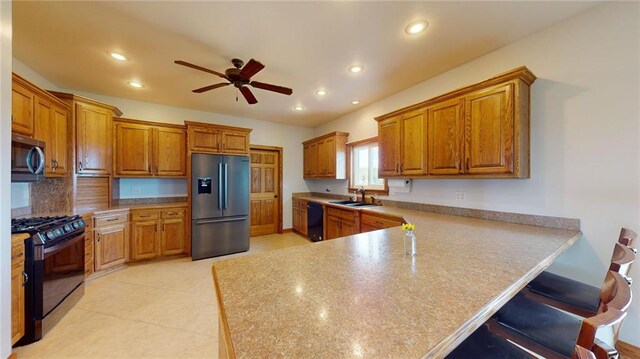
<point>266,198</point>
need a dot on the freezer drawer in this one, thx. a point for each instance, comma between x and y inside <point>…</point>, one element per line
<point>219,236</point>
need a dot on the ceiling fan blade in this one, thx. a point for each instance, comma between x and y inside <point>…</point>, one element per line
<point>248,95</point>
<point>251,68</point>
<point>187,64</point>
<point>211,87</point>
<point>269,87</point>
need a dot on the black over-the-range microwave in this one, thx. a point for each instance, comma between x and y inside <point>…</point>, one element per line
<point>27,159</point>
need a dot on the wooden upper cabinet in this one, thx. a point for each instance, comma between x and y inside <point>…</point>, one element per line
<point>39,114</point>
<point>208,138</point>
<point>170,152</point>
<point>60,120</point>
<point>93,121</point>
<point>389,132</point>
<point>146,149</point>
<point>325,156</point>
<point>310,158</point>
<point>235,142</point>
<point>22,105</point>
<point>133,149</point>
<point>93,139</point>
<point>413,156</point>
<point>402,147</point>
<point>479,131</point>
<point>445,137</point>
<point>489,119</point>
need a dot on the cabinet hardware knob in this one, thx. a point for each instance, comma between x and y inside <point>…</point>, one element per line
<point>25,278</point>
<point>111,219</point>
<point>397,166</point>
<point>80,166</point>
<point>467,164</point>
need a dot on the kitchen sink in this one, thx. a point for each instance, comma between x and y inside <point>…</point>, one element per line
<point>358,204</point>
<point>345,202</point>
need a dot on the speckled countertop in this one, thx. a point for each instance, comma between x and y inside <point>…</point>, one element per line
<point>360,297</point>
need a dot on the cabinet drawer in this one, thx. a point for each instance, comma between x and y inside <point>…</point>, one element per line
<point>341,213</point>
<point>109,220</point>
<point>173,213</point>
<point>379,222</point>
<point>145,215</point>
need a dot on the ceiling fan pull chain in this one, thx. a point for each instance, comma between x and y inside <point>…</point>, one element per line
<point>236,95</point>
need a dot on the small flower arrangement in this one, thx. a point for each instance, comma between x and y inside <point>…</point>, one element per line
<point>408,227</point>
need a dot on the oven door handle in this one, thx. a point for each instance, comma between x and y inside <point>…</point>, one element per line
<point>60,246</point>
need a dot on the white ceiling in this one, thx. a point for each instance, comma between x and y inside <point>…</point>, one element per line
<point>304,45</point>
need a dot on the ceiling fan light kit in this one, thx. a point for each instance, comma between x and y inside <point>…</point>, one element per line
<point>240,77</point>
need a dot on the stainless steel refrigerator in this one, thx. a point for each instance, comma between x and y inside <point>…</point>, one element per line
<point>219,205</point>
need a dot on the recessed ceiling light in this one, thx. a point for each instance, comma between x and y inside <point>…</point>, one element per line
<point>118,56</point>
<point>321,92</point>
<point>298,108</point>
<point>356,68</point>
<point>355,102</point>
<point>135,84</point>
<point>416,27</point>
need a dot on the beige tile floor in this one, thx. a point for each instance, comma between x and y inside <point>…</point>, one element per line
<point>164,309</point>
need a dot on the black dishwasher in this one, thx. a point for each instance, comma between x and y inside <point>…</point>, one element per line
<point>315,225</point>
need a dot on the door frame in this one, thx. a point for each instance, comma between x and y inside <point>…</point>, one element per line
<point>280,151</point>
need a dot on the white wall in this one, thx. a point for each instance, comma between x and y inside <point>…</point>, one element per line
<point>264,133</point>
<point>584,136</point>
<point>5,178</point>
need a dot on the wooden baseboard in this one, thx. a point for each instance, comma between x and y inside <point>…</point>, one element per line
<point>287,230</point>
<point>627,350</point>
<point>13,355</point>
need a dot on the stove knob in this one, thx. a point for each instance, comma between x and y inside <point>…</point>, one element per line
<point>51,235</point>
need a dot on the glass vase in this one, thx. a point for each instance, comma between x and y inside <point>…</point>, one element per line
<point>409,243</point>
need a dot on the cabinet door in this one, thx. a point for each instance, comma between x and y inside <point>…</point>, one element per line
<point>112,244</point>
<point>133,150</point>
<point>146,243</point>
<point>17,302</point>
<point>489,121</point>
<point>413,139</point>
<point>347,228</point>
<point>389,147</point>
<point>44,130</point>
<point>22,103</point>
<point>60,118</point>
<point>172,239</point>
<point>445,138</point>
<point>204,140</point>
<point>367,228</point>
<point>333,227</point>
<point>308,170</point>
<point>235,142</point>
<point>170,152</point>
<point>94,139</point>
<point>296,220</point>
<point>327,157</point>
<point>303,222</point>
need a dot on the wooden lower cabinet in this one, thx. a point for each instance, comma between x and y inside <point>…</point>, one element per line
<point>145,243</point>
<point>157,233</point>
<point>373,222</point>
<point>112,243</point>
<point>17,288</point>
<point>300,216</point>
<point>88,245</point>
<point>341,223</point>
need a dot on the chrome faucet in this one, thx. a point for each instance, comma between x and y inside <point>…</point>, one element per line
<point>362,192</point>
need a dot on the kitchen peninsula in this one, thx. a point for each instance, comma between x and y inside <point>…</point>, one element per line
<point>359,296</point>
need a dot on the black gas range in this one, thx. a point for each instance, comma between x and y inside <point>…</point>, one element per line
<point>54,270</point>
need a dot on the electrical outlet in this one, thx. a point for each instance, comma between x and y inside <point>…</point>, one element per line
<point>460,196</point>
<point>136,189</point>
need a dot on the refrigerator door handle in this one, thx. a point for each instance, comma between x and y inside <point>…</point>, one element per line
<point>219,185</point>
<point>207,221</point>
<point>226,185</point>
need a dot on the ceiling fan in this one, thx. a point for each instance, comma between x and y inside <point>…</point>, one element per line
<point>239,77</point>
